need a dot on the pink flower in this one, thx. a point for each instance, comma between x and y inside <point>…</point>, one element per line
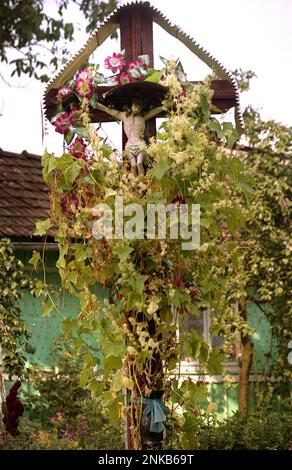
<point>137,70</point>
<point>78,147</point>
<point>63,92</point>
<point>124,78</point>
<point>69,205</point>
<point>115,62</point>
<point>193,291</point>
<point>62,123</point>
<point>84,85</point>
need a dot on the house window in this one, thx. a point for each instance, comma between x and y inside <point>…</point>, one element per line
<point>202,325</point>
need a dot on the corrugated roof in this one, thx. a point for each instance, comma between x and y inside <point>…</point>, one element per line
<point>111,23</point>
<point>24,197</point>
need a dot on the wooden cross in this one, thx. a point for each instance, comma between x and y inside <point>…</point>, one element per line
<point>136,38</point>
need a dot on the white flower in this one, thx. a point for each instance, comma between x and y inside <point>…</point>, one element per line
<point>153,307</point>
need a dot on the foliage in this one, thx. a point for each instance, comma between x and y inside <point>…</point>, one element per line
<point>265,277</point>
<point>33,438</point>
<point>152,282</point>
<point>268,270</point>
<point>262,429</point>
<point>65,413</point>
<point>55,390</point>
<point>243,78</point>
<point>27,28</point>
<point>266,238</point>
<point>13,330</point>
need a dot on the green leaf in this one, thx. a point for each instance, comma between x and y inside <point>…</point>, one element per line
<point>247,190</point>
<point>72,172</point>
<point>234,221</point>
<point>94,100</point>
<point>68,325</point>
<point>63,250</point>
<point>139,282</point>
<point>156,198</point>
<point>73,277</point>
<point>94,387</point>
<point>124,252</point>
<point>193,310</point>
<point>214,364</point>
<point>63,162</point>
<point>117,382</point>
<point>113,408</point>
<point>205,221</point>
<point>69,137</point>
<point>48,164</point>
<point>46,309</point>
<point>154,77</point>
<point>42,227</point>
<point>84,376</point>
<point>161,135</point>
<point>180,297</point>
<point>112,362</point>
<point>228,126</point>
<point>215,125</point>
<point>35,259</point>
<point>160,170</point>
<point>82,132</point>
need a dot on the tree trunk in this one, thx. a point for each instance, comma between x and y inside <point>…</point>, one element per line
<point>245,364</point>
<point>243,385</point>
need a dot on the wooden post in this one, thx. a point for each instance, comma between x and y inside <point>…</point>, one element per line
<point>136,28</point>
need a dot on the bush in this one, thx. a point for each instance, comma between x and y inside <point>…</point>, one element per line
<point>59,414</point>
<point>262,429</point>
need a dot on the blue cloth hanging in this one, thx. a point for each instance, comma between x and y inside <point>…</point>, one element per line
<point>157,411</point>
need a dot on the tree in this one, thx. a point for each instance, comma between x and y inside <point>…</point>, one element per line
<point>13,330</point>
<point>30,37</point>
<point>265,241</point>
<point>268,254</point>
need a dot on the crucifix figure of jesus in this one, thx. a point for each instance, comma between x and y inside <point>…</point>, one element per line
<point>134,120</point>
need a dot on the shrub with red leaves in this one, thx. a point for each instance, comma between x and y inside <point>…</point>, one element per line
<point>13,409</point>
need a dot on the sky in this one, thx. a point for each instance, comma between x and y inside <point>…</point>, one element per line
<point>248,34</point>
